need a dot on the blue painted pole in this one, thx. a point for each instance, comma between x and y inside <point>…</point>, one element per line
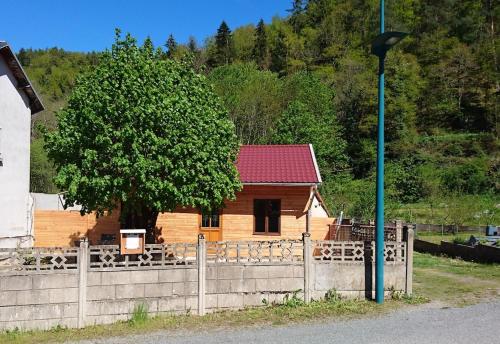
<point>379,209</point>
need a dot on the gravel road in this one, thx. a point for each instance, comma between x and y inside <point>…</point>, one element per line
<point>426,324</point>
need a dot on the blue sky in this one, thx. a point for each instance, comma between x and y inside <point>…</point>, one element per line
<point>86,25</point>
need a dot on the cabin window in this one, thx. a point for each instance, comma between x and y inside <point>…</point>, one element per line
<point>267,214</point>
<point>210,219</point>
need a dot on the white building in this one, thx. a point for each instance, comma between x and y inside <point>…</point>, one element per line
<point>18,101</point>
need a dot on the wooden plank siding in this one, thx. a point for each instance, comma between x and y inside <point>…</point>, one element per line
<point>62,228</point>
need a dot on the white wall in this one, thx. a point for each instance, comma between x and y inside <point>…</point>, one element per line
<point>15,124</point>
<point>43,201</point>
<point>317,209</point>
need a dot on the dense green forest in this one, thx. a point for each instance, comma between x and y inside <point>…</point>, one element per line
<point>310,78</point>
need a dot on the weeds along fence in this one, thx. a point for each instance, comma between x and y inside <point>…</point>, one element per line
<point>75,287</point>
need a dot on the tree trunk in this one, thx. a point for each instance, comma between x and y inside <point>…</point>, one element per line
<point>140,217</point>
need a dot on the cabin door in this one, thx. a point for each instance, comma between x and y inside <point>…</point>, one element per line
<point>211,225</point>
<point>212,234</point>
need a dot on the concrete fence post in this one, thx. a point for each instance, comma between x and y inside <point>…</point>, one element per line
<point>306,239</point>
<point>82,282</point>
<point>201,258</point>
<point>399,237</point>
<point>399,230</point>
<point>409,260</point>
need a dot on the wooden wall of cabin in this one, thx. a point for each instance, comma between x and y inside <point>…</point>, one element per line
<point>238,216</point>
<point>63,228</point>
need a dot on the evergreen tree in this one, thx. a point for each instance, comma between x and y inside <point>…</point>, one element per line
<point>297,18</point>
<point>192,45</point>
<point>23,57</point>
<point>171,46</point>
<point>223,45</point>
<point>279,54</point>
<point>260,51</point>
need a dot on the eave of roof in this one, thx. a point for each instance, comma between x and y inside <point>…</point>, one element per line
<point>23,82</point>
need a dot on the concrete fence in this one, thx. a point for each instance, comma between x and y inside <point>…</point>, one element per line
<point>43,288</point>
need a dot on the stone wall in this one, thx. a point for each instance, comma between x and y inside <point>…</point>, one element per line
<point>96,285</point>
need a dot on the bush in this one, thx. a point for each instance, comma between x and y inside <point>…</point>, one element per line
<point>404,181</point>
<point>469,178</point>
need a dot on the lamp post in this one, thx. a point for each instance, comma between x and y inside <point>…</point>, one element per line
<point>380,45</point>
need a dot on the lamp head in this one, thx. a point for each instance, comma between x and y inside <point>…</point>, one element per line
<point>386,41</point>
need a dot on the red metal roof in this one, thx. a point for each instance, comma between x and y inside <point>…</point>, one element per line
<point>278,164</point>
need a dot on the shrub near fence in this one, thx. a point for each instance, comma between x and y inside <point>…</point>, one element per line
<point>41,288</point>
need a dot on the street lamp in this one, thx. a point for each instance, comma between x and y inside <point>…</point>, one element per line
<point>380,45</point>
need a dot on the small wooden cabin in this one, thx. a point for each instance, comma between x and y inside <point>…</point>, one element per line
<point>279,200</point>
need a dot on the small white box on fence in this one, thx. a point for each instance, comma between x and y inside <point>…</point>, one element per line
<point>132,241</point>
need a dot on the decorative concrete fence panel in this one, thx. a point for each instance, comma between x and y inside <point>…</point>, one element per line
<point>255,252</point>
<point>43,288</point>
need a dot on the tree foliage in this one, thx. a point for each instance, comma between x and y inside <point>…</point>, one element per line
<point>224,47</point>
<point>260,49</point>
<point>171,46</point>
<point>442,85</point>
<point>42,171</point>
<point>145,134</point>
<point>309,117</point>
<point>252,97</point>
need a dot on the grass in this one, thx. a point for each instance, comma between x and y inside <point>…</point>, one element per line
<point>438,237</point>
<point>468,210</point>
<point>291,310</point>
<point>453,281</point>
<point>446,281</point>
<point>139,315</point>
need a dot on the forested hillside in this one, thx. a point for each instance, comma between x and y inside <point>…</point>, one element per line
<point>310,77</point>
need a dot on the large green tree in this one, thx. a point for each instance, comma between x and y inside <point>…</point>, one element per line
<point>224,47</point>
<point>171,46</point>
<point>309,117</point>
<point>260,51</point>
<point>279,54</point>
<point>144,134</point>
<point>253,98</point>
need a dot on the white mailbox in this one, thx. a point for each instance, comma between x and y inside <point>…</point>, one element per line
<point>132,241</point>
